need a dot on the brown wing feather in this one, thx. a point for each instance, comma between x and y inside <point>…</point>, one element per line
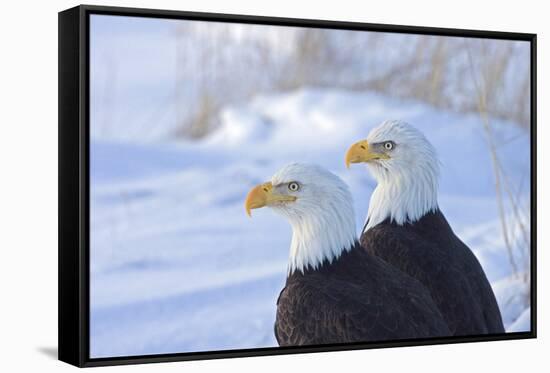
<point>385,305</point>
<point>446,267</point>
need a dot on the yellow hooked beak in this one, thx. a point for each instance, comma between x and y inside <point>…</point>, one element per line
<point>262,195</point>
<point>361,152</point>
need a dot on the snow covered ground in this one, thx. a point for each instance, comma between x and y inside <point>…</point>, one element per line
<point>177,266</point>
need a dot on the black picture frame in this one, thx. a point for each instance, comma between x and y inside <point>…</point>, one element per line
<point>74,201</point>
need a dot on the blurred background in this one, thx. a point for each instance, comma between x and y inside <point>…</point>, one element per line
<point>186,116</point>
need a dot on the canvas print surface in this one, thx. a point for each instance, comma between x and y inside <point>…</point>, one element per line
<point>196,125</point>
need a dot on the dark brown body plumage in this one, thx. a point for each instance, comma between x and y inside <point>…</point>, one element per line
<point>429,251</point>
<point>356,298</point>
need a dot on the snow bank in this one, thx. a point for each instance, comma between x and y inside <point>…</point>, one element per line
<point>177,266</point>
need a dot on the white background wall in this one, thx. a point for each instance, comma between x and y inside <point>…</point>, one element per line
<point>28,187</point>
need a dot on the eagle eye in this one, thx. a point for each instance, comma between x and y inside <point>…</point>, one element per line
<point>388,145</point>
<point>293,186</point>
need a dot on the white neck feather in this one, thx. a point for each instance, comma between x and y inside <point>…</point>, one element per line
<point>323,233</point>
<point>403,194</point>
<point>322,217</point>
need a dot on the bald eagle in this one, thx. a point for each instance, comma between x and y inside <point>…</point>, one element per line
<point>335,291</point>
<point>406,228</point>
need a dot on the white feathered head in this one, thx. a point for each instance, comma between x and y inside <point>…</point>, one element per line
<point>406,167</point>
<point>318,206</point>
